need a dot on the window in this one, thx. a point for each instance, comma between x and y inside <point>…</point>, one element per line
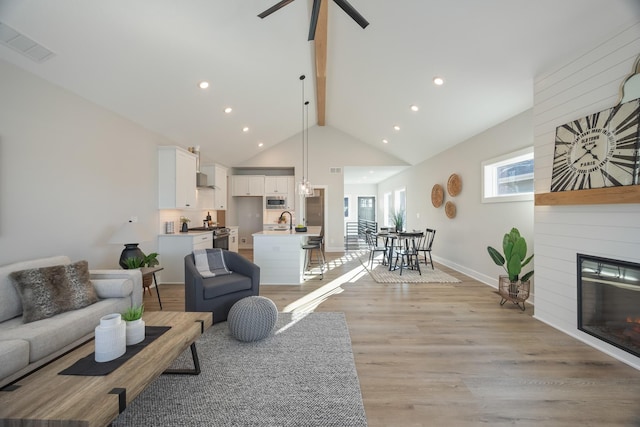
<point>387,209</point>
<point>346,207</point>
<point>508,178</point>
<point>394,202</point>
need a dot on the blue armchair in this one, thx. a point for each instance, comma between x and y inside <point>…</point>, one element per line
<point>218,294</point>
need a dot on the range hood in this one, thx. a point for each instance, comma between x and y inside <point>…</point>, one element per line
<point>202,180</point>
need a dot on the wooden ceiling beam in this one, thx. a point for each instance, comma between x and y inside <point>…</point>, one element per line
<point>321,62</point>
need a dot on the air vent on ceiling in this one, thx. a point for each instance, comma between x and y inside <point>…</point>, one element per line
<point>23,44</point>
<point>335,170</point>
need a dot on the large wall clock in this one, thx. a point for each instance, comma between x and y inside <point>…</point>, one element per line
<point>599,150</point>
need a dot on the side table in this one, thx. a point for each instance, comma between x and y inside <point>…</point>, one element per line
<point>151,271</point>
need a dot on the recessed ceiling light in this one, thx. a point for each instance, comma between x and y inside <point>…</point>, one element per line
<point>414,108</point>
<point>245,129</point>
<point>438,81</point>
<point>228,110</point>
<point>385,141</point>
<point>260,144</point>
<point>203,85</point>
<point>396,127</point>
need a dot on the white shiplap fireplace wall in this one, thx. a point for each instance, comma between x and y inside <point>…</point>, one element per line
<point>585,84</point>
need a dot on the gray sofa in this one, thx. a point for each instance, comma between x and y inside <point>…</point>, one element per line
<point>27,346</point>
<point>218,294</point>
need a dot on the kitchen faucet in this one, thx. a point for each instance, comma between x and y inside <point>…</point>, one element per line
<point>290,219</point>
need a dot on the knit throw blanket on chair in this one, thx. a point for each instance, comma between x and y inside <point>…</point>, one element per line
<point>210,262</point>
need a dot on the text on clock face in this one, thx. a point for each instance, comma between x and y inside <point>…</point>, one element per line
<point>591,149</point>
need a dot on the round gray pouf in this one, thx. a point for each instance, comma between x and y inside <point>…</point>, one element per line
<point>252,318</point>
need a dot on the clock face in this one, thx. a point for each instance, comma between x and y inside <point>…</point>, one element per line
<point>600,150</point>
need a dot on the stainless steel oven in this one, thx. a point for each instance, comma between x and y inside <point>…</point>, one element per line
<point>221,238</point>
<point>275,202</point>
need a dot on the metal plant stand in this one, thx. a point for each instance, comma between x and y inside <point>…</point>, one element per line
<point>517,292</point>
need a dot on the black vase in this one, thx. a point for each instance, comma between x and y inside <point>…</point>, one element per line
<point>131,250</point>
<point>184,228</point>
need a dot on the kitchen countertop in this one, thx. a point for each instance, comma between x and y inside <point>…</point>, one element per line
<point>311,231</point>
<point>189,233</point>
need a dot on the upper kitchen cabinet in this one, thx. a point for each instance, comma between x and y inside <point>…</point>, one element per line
<point>248,185</point>
<point>217,178</point>
<point>276,185</point>
<point>176,178</point>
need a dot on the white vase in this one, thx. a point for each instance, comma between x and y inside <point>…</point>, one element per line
<point>135,331</point>
<point>110,338</point>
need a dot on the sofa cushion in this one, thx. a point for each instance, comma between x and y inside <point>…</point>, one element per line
<point>222,285</point>
<point>48,291</point>
<point>10,304</point>
<point>50,335</point>
<point>14,355</point>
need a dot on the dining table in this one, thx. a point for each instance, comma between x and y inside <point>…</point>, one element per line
<point>390,243</point>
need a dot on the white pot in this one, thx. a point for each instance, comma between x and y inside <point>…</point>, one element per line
<point>110,338</point>
<point>135,331</point>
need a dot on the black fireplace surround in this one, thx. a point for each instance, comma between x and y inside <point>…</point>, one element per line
<point>609,301</point>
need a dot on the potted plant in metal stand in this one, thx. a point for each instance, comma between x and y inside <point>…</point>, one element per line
<point>135,324</point>
<point>513,287</point>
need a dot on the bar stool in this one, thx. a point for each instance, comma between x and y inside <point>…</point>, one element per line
<point>314,243</point>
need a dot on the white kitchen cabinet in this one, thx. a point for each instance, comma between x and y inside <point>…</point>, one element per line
<point>174,247</point>
<point>276,185</point>
<point>248,185</point>
<point>176,178</point>
<point>233,239</point>
<point>217,178</point>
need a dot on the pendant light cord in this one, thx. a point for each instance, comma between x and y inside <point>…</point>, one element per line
<point>302,77</point>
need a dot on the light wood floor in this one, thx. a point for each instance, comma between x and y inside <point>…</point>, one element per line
<point>449,355</point>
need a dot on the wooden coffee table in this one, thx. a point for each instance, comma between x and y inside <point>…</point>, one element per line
<point>45,398</point>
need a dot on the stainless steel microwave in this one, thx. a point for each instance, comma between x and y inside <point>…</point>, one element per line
<point>275,202</point>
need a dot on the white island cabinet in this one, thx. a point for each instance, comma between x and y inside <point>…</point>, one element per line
<point>280,256</point>
<point>174,247</point>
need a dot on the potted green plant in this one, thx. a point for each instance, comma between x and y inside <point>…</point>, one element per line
<point>514,259</point>
<point>135,325</point>
<point>185,224</point>
<point>397,218</point>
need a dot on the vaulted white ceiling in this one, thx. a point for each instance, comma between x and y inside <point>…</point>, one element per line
<point>143,59</point>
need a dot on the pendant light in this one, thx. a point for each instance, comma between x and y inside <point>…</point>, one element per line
<point>304,187</point>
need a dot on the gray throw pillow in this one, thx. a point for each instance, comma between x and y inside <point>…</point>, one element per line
<point>48,291</point>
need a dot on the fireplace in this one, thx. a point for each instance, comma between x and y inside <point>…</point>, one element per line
<point>609,301</point>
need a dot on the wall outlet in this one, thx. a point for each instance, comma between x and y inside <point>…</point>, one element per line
<point>133,219</point>
<point>243,240</point>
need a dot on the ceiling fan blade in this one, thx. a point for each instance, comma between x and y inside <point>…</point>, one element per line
<point>344,5</point>
<point>274,8</point>
<point>314,19</point>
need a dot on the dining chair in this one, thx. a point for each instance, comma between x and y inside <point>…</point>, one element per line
<point>408,254</point>
<point>426,246</point>
<point>374,248</point>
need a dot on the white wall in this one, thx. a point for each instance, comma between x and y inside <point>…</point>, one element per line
<point>328,148</point>
<point>70,173</point>
<point>353,191</point>
<point>586,84</point>
<point>461,242</point>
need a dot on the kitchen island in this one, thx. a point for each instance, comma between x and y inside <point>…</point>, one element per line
<point>280,256</point>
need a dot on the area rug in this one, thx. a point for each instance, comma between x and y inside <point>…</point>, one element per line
<point>302,375</point>
<point>381,274</point>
